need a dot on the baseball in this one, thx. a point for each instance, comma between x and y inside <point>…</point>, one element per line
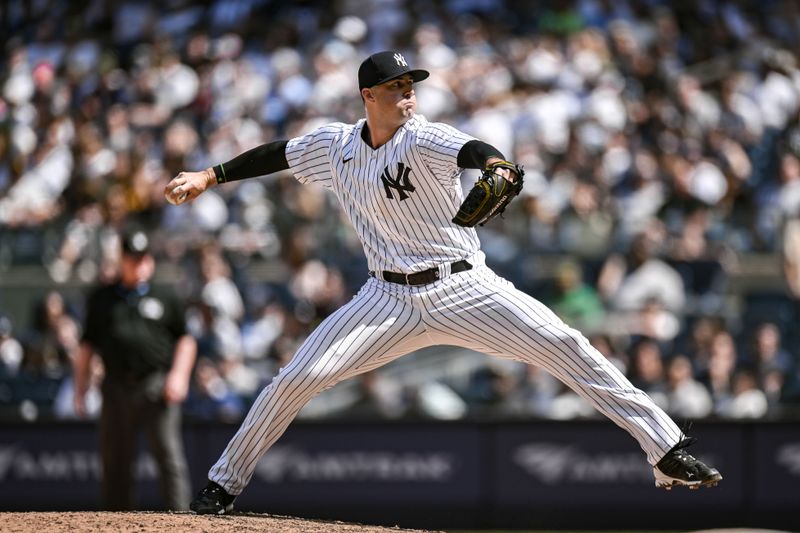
<point>176,197</point>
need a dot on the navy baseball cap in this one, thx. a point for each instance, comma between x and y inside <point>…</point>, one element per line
<point>384,66</point>
<point>135,243</point>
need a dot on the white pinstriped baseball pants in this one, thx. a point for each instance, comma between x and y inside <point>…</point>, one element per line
<point>385,321</point>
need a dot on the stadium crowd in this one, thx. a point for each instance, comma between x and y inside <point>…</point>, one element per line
<point>661,143</point>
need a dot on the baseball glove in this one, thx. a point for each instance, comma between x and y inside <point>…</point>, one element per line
<point>490,195</point>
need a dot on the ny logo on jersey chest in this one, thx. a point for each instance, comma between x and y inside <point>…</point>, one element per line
<point>400,182</point>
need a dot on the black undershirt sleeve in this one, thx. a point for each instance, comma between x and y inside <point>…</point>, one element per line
<point>261,160</point>
<point>475,153</point>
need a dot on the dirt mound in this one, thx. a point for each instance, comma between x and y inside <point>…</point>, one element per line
<point>143,522</point>
<point>740,530</point>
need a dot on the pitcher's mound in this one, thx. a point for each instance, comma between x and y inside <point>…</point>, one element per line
<point>144,522</point>
<point>740,530</point>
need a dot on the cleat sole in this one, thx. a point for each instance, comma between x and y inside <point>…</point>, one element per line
<point>666,482</point>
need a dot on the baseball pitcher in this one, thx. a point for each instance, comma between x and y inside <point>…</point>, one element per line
<point>397,177</point>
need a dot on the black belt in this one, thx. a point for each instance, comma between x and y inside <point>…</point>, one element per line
<point>424,277</point>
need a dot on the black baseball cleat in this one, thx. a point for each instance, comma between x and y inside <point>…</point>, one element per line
<point>678,468</point>
<point>213,499</point>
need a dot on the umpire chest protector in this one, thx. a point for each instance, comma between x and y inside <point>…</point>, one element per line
<point>134,330</point>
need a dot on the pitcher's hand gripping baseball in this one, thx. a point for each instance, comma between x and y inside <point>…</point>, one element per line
<point>188,186</point>
<point>500,182</point>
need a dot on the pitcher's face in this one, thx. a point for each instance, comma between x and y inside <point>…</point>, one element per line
<point>395,100</point>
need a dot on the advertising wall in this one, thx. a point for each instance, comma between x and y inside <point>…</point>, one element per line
<point>581,473</point>
<point>456,475</point>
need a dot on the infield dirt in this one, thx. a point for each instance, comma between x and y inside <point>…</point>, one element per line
<point>149,522</point>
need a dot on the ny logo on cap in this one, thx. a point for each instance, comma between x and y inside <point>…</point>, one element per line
<point>400,60</point>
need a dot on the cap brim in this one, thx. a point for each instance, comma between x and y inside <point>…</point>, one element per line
<point>416,75</point>
<point>135,254</point>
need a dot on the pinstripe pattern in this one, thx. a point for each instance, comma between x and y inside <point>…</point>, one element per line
<point>385,321</point>
<point>474,311</point>
<point>375,327</point>
<point>408,236</point>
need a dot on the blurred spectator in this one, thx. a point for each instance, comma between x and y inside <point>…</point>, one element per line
<point>686,397</point>
<point>585,228</point>
<point>721,367</point>
<point>747,401</point>
<point>791,257</point>
<point>64,402</point>
<point>533,394</point>
<point>219,292</point>
<point>568,405</point>
<point>210,397</point>
<point>34,366</point>
<point>218,337</point>
<point>787,193</point>
<point>605,345</point>
<point>768,353</point>
<point>258,335</point>
<point>772,363</point>
<point>643,194</point>
<point>699,344</point>
<point>243,379</point>
<point>375,398</point>
<point>576,303</point>
<point>33,198</point>
<point>653,320</point>
<point>86,247</point>
<point>318,289</point>
<point>691,243</point>
<point>51,344</point>
<point>629,283</point>
<point>647,370</point>
<point>489,387</point>
<point>11,353</point>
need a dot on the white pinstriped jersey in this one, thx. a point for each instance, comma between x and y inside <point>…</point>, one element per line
<point>400,197</point>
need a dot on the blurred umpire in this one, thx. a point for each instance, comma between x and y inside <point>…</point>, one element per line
<point>139,332</point>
